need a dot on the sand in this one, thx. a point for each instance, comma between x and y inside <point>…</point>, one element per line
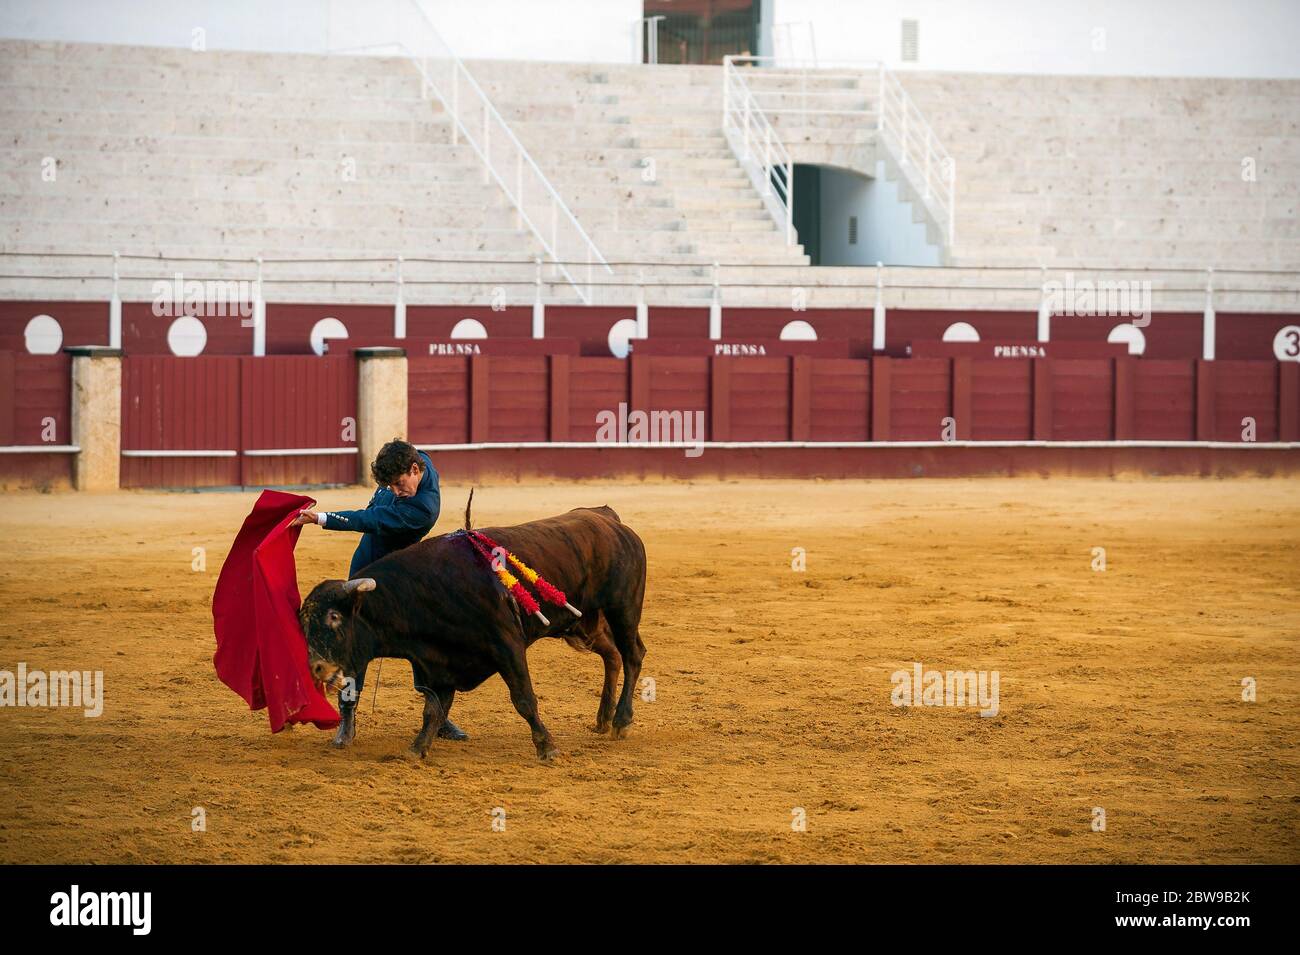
<point>1118,689</point>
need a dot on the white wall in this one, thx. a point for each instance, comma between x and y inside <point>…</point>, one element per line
<point>1139,37</point>
<point>886,232</point>
<point>1242,38</point>
<point>559,30</point>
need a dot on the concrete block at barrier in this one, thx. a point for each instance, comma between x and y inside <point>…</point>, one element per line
<point>96,417</point>
<point>381,403</point>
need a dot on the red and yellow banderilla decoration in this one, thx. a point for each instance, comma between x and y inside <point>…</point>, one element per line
<point>487,547</point>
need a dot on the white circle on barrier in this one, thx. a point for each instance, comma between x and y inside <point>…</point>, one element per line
<point>1286,343</point>
<point>621,334</point>
<point>323,331</point>
<point>187,337</point>
<point>1130,335</point>
<point>44,335</point>
<point>798,331</point>
<point>961,332</point>
<point>469,328</point>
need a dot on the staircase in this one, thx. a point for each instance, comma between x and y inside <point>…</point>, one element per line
<point>638,154</point>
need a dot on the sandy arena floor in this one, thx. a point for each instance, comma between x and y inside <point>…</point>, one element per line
<point>1118,689</point>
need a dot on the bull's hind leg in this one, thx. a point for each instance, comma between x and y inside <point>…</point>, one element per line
<point>514,670</point>
<point>603,645</point>
<point>625,626</point>
<point>433,718</point>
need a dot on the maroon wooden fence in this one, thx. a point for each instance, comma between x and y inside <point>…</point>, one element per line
<point>486,399</point>
<point>35,410</point>
<point>209,421</point>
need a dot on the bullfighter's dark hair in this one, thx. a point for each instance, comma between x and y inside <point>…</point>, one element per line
<point>393,460</point>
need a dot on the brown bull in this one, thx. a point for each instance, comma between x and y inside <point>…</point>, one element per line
<point>438,605</point>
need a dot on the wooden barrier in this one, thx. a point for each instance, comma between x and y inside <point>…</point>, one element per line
<point>495,399</point>
<point>35,413</point>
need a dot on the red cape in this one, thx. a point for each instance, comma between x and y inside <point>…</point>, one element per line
<point>261,651</point>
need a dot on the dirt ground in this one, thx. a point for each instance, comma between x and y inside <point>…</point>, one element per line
<point>1119,689</point>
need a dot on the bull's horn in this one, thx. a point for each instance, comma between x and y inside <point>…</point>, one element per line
<point>361,585</point>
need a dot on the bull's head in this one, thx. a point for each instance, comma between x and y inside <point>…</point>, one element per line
<point>328,618</point>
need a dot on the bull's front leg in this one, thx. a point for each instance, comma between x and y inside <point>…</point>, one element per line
<point>514,670</point>
<point>348,699</point>
<point>434,715</point>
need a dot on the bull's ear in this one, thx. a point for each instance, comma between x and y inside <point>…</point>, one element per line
<point>360,585</point>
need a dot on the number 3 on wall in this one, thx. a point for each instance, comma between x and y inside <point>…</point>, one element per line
<point>1286,344</point>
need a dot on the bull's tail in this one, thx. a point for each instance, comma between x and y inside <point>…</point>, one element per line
<point>468,526</point>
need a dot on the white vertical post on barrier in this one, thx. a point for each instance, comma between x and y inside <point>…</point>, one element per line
<point>115,310</point>
<point>259,314</point>
<point>1208,318</point>
<point>539,309</point>
<point>399,307</point>
<point>1044,307</point>
<point>642,312</point>
<point>878,313</point>
<point>715,307</point>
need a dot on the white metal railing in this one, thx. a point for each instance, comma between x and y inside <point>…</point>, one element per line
<point>788,90</point>
<point>904,130</point>
<point>758,146</point>
<point>645,39</point>
<point>54,276</point>
<point>538,206</point>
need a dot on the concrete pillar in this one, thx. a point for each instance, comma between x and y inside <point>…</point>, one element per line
<point>96,417</point>
<point>381,403</point>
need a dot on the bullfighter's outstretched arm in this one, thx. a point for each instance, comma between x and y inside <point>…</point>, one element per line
<point>405,514</point>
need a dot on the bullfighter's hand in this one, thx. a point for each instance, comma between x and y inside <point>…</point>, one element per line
<point>304,517</point>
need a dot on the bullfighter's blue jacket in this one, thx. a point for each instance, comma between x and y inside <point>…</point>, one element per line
<point>389,522</point>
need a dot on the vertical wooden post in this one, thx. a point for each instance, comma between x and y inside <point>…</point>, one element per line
<point>1205,424</point>
<point>1042,399</point>
<point>639,383</point>
<point>1125,372</point>
<point>881,381</point>
<point>7,407</point>
<point>559,429</point>
<point>478,398</point>
<point>961,397</point>
<point>1288,401</point>
<point>720,398</point>
<point>800,397</point>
